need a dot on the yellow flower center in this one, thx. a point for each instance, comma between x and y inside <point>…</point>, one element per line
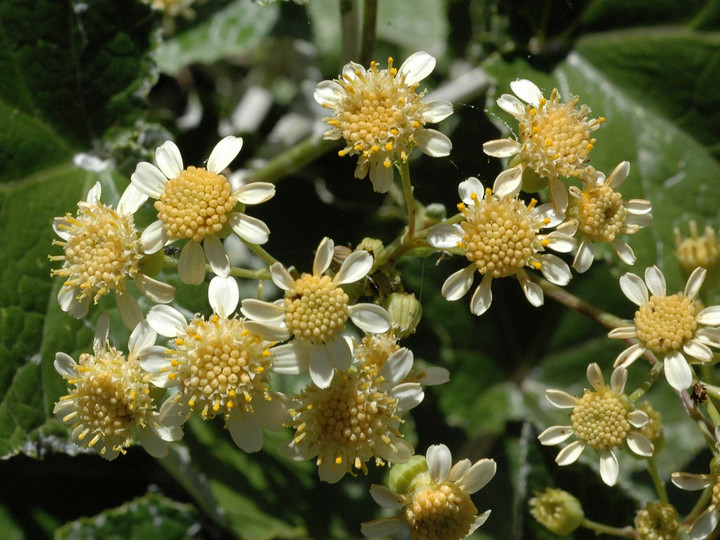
<point>697,250</point>
<point>657,521</point>
<point>345,422</point>
<point>653,429</point>
<point>195,204</point>
<point>601,213</point>
<point>716,493</point>
<point>315,309</point>
<point>665,323</point>
<point>556,137</point>
<point>102,252</point>
<point>600,419</point>
<point>108,398</point>
<point>443,512</point>
<point>221,366</point>
<point>375,350</point>
<point>378,115</point>
<point>499,235</point>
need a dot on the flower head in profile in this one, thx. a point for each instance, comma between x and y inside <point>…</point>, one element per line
<point>670,326</point>
<point>603,419</point>
<point>314,312</point>
<point>500,236</point>
<point>219,366</point>
<point>657,520</point>
<point>197,204</point>
<point>707,521</point>
<point>110,402</point>
<point>696,250</point>
<point>602,215</point>
<point>101,253</point>
<point>433,496</point>
<point>356,418</point>
<point>557,510</point>
<point>555,138</point>
<point>381,117</point>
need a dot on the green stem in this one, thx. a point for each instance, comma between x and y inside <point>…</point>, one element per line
<point>367,45</point>
<point>599,528</point>
<point>260,252</point>
<point>293,159</point>
<point>172,262</point>
<point>349,25</point>
<point>571,301</point>
<point>712,412</point>
<point>409,198</point>
<point>650,379</point>
<point>657,481</point>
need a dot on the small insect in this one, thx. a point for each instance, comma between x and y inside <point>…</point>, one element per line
<point>171,250</point>
<point>699,394</point>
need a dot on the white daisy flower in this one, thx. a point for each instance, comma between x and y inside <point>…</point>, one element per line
<point>602,419</point>
<point>670,326</point>
<point>102,251</point>
<point>110,400</point>
<point>555,138</point>
<point>382,118</point>
<point>219,367</point>
<point>314,312</point>
<point>500,236</point>
<point>366,414</point>
<point>705,523</point>
<point>196,204</point>
<point>602,215</point>
<point>434,502</point>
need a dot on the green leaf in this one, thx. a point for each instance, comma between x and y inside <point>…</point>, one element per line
<point>236,30</point>
<point>151,516</point>
<point>426,30</point>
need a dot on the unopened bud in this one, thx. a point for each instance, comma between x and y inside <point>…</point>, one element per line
<point>409,476</point>
<point>557,510</point>
<point>405,312</point>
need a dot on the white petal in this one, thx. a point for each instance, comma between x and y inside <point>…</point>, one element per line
<point>609,468</point>
<point>245,431</point>
<point>371,318</point>
<point>223,294</point>
<point>94,194</point>
<point>169,159</point>
<point>459,470</point>
<point>618,379</point>
<point>223,153</point>
<point>321,367</point>
<point>191,266</point>
<point>153,238</point>
<point>694,282</point>
<point>65,365</point>
<point>255,192</point>
<point>638,418</point>
<point>584,256</point>
<point>155,290</point>
<point>130,311</point>
<point>639,207</point>
<point>501,148</point>
<point>152,443</point>
<point>677,371</point>
<point>634,289</point>
<point>416,67</point>
<point>482,518</point>
<point>272,413</point>
<point>469,187</point>
<point>555,435</point>
<point>458,283</point>
<point>527,91</point>
<point>281,277</point>
<point>478,476</point>
<point>323,256</point>
<point>131,200</point>
<point>619,174</point>
<point>381,176</point>
<point>533,291</point>
<point>439,462</point>
<point>402,451</point>
<point>381,527</point>
<point>560,399</point>
<point>76,309</point>
<point>508,183</point>
<point>142,337</point>
<point>698,350</point>
<point>558,195</point>
<point>709,316</point>
<point>624,251</point>
<point>595,376</point>
<point>397,366</point>
<point>268,331</point>
<point>570,453</point>
<point>287,361</point>
<point>511,104</point>
<point>437,110</point>
<point>102,329</point>
<point>331,473</point>
<point>433,143</point>
<point>629,355</point>
<point>555,269</point>
<point>562,243</point>
<point>708,336</point>
<point>155,359</point>
<point>148,179</point>
<point>340,353</point>
<point>249,228</point>
<point>623,332</point>
<point>704,525</point>
<point>355,267</point>
<point>482,297</point>
<point>691,482</point>
<point>386,497</point>
<point>655,281</point>
<point>328,93</point>
<point>640,444</point>
<point>216,256</point>
<point>444,236</point>
<point>409,395</point>
<point>260,310</point>
<point>166,321</point>
<point>435,375</point>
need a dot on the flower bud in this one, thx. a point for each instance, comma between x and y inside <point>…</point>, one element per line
<point>557,510</point>
<point>657,520</point>
<point>405,311</point>
<point>409,476</point>
<point>696,250</point>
